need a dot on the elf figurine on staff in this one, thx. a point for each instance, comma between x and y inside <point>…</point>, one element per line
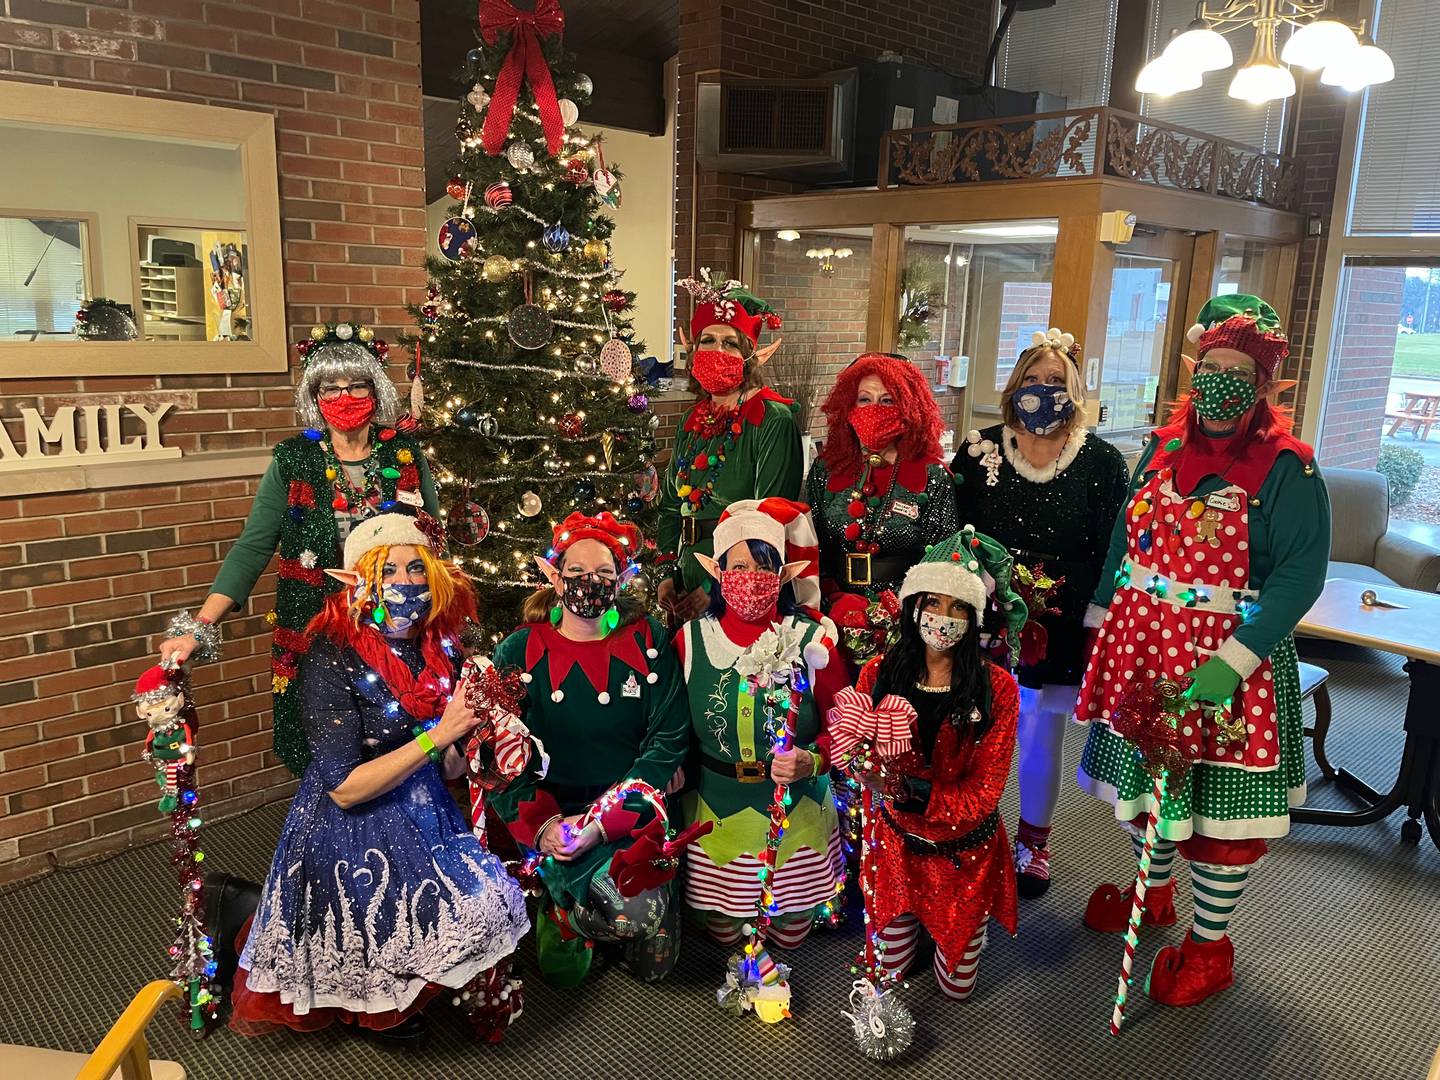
<point>1221,549</point>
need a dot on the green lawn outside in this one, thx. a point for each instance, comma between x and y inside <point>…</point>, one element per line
<point>1417,354</point>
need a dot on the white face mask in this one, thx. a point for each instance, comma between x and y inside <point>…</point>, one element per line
<point>941,632</point>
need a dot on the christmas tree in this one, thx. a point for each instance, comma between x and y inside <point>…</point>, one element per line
<point>526,354</point>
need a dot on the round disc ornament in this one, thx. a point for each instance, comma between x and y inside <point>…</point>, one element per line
<point>530,326</point>
<point>569,112</point>
<point>604,181</point>
<point>456,238</point>
<point>495,269</point>
<point>616,360</point>
<point>530,504</point>
<point>519,155</point>
<point>467,524</point>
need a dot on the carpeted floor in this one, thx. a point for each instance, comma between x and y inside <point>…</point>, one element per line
<point>1338,950</point>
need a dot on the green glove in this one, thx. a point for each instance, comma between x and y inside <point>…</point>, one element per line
<point>1214,681</point>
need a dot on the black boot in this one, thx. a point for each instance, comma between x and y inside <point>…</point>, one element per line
<point>229,903</point>
<point>413,1034</point>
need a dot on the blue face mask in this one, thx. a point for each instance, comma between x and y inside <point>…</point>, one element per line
<point>405,605</point>
<point>1042,408</point>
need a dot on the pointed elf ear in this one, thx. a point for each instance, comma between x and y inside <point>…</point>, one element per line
<point>710,564</point>
<point>346,577</point>
<point>1189,362</point>
<point>1275,387</point>
<point>684,341</point>
<point>765,352</point>
<point>791,570</point>
<point>552,575</point>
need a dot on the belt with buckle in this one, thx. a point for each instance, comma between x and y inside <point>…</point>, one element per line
<point>863,568</point>
<point>747,772</point>
<point>693,530</point>
<point>947,849</point>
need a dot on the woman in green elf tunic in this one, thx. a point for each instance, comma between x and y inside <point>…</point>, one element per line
<point>605,700</point>
<point>755,624</point>
<point>348,464</point>
<point>739,441</point>
<point>1221,550</point>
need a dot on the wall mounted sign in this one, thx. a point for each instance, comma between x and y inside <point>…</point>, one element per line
<point>56,443</point>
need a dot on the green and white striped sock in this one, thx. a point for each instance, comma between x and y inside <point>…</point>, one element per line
<point>1162,857</point>
<point>1217,892</point>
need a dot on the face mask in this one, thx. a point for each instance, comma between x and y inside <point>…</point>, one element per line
<point>1219,395</point>
<point>347,413</point>
<point>717,372</point>
<point>405,605</point>
<point>941,632</point>
<point>1042,408</point>
<point>878,425</point>
<point>589,595</point>
<point>750,594</point>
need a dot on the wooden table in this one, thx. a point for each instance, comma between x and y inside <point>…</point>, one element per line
<point>1418,412</point>
<point>1413,631</point>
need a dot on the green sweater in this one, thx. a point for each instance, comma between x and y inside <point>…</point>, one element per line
<point>1289,553</point>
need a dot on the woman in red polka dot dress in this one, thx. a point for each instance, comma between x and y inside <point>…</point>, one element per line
<point>1221,550</point>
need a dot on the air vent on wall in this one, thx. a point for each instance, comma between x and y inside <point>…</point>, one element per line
<point>798,129</point>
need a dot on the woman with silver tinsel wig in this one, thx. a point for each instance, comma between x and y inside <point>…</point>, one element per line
<point>348,464</point>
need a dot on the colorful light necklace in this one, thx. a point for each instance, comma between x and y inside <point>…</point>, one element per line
<point>347,495</point>
<point>700,453</point>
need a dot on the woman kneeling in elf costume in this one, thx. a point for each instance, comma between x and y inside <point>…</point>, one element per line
<point>1222,549</point>
<point>604,697</point>
<point>756,626</point>
<point>379,897</point>
<point>936,853</point>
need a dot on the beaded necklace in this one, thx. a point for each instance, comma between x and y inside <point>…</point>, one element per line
<point>867,507</point>
<point>347,495</point>
<point>701,454</point>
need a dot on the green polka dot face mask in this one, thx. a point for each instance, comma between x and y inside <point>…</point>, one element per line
<point>1219,395</point>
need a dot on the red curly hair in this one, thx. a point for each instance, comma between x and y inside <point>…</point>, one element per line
<point>910,392</point>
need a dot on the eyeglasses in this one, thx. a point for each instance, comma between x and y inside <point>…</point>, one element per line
<point>332,392</point>
<point>1210,367</point>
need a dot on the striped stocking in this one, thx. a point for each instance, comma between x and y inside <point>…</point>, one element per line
<point>788,931</point>
<point>723,929</point>
<point>958,984</point>
<point>899,940</point>
<point>1217,892</point>
<point>1162,857</point>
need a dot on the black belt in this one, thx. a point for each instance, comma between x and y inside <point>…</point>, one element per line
<point>693,530</point>
<point>862,568</point>
<point>747,772</point>
<point>948,849</point>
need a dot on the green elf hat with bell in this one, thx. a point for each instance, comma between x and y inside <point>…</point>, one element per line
<point>971,566</point>
<point>1244,323</point>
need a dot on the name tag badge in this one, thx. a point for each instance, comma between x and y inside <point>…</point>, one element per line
<point>1218,500</point>
<point>906,509</point>
<point>410,498</point>
<point>631,687</point>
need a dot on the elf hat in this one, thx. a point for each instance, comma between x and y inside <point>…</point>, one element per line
<point>970,566</point>
<point>622,538</point>
<point>1244,323</point>
<point>783,524</point>
<point>156,684</point>
<point>727,303</point>
<point>391,530</point>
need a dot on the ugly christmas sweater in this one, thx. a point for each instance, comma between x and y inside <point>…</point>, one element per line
<point>293,511</point>
<point>752,453</point>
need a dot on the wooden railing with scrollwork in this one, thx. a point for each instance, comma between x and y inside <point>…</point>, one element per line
<point>1090,143</point>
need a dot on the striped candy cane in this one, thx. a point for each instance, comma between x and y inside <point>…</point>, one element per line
<point>1142,883</point>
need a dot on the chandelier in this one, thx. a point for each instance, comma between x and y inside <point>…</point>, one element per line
<point>825,257</point>
<point>1344,57</point>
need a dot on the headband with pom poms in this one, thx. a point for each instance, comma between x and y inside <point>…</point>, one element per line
<point>341,333</point>
<point>1059,340</point>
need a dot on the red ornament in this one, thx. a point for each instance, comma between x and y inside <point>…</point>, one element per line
<point>456,188</point>
<point>614,299</point>
<point>570,425</point>
<point>498,196</point>
<point>576,171</point>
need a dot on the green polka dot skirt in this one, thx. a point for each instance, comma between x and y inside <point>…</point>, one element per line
<point>1215,800</point>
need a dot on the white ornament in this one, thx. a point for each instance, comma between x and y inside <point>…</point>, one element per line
<point>569,112</point>
<point>519,155</point>
<point>477,97</point>
<point>344,331</point>
<point>529,504</point>
<point>308,559</point>
<point>584,84</point>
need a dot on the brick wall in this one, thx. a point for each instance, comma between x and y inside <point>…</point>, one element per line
<point>87,580</point>
<point>1361,360</point>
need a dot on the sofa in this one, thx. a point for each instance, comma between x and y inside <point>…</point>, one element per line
<point>1362,547</point>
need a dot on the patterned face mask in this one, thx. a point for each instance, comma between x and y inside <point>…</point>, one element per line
<point>405,605</point>
<point>1042,408</point>
<point>877,425</point>
<point>941,632</point>
<point>717,372</point>
<point>589,595</point>
<point>750,594</point>
<point>1219,395</point>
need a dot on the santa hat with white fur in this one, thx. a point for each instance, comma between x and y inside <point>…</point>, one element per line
<point>391,530</point>
<point>786,526</point>
<point>970,566</point>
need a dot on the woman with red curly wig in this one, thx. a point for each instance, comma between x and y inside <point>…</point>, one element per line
<point>879,491</point>
<point>1222,549</point>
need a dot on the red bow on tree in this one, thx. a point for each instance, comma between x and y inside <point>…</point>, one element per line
<point>652,860</point>
<point>525,61</point>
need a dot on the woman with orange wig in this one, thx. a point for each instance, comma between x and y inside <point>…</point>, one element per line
<point>379,897</point>
<point>879,492</point>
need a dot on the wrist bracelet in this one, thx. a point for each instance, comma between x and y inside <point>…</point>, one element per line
<point>540,832</point>
<point>428,745</point>
<point>205,633</point>
<point>817,763</point>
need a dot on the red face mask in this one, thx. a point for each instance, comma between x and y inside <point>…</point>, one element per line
<point>877,425</point>
<point>717,372</point>
<point>750,594</point>
<point>347,413</point>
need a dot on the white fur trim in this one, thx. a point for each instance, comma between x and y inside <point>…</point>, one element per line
<point>1193,334</point>
<point>947,579</point>
<point>1095,616</point>
<point>386,530</point>
<point>816,655</point>
<point>1240,659</point>
<point>744,522</point>
<point>1027,471</point>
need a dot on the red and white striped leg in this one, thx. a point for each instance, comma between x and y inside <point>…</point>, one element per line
<point>899,941</point>
<point>724,930</point>
<point>959,982</point>
<point>788,931</point>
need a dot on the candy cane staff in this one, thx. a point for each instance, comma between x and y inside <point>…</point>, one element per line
<point>348,464</point>
<point>1050,490</point>
<point>760,669</point>
<point>1221,550</point>
<point>738,441</point>
<point>931,728</point>
<point>341,932</point>
<point>605,697</point>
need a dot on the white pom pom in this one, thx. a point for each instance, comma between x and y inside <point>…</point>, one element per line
<point>1193,334</point>
<point>816,655</point>
<point>526,677</point>
<point>1066,340</point>
<point>975,451</point>
<point>455,1001</point>
<point>557,696</point>
<point>652,678</point>
<point>603,697</point>
<point>652,653</point>
<point>973,435</point>
<point>1037,338</point>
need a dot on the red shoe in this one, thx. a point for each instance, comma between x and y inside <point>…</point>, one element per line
<point>1193,972</point>
<point>1109,909</point>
